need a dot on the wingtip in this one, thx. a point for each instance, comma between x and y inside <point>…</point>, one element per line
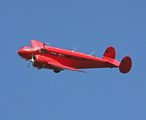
<point>82,71</point>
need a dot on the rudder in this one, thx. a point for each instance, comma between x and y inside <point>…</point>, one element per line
<point>110,52</point>
<point>125,64</point>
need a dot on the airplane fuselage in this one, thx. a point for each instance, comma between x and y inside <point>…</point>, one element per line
<point>66,57</point>
<point>57,59</point>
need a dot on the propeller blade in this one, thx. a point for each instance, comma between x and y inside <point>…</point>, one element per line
<point>28,65</point>
<point>31,60</point>
<point>31,55</point>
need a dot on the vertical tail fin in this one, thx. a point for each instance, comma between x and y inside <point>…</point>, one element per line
<point>110,52</point>
<point>125,64</point>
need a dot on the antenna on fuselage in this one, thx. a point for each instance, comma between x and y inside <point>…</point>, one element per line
<point>92,53</point>
<point>74,49</point>
<point>47,43</point>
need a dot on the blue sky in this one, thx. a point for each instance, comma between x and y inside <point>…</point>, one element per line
<point>103,94</point>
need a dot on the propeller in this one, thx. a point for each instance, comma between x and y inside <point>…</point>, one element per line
<point>31,60</point>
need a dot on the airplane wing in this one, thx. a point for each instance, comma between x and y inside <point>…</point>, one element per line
<point>55,63</point>
<point>59,65</point>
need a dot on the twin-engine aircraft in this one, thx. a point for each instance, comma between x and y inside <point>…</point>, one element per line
<point>57,59</point>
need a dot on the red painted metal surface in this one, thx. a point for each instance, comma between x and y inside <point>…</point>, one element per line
<point>59,59</point>
<point>125,64</point>
<point>110,52</point>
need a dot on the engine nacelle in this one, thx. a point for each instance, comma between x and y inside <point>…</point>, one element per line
<point>40,61</point>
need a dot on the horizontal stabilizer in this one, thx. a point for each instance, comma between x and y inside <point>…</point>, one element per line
<point>125,64</point>
<point>110,52</point>
<point>112,61</point>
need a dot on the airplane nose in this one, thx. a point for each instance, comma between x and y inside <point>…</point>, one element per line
<point>20,52</point>
<point>24,53</point>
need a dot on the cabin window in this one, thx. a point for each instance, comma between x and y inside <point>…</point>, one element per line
<point>69,57</point>
<point>53,53</point>
<point>43,51</point>
<point>75,58</point>
<point>83,59</point>
<point>60,55</point>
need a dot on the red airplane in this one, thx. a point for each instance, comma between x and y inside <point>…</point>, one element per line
<point>57,59</point>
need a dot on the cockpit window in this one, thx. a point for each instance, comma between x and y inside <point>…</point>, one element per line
<point>44,51</point>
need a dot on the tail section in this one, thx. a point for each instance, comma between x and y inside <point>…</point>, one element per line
<point>110,52</point>
<point>125,64</point>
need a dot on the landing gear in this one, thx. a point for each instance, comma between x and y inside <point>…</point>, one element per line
<point>56,71</point>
